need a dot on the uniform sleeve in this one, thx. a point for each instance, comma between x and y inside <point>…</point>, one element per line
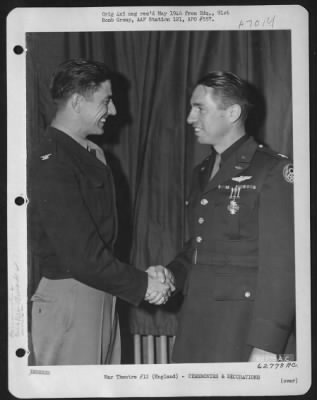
<point>74,236</point>
<point>274,308</point>
<point>181,264</point>
<point>180,267</point>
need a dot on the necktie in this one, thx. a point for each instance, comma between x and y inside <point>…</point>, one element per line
<point>216,166</point>
<point>92,151</point>
<point>98,153</point>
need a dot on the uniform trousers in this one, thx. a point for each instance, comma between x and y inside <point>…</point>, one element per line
<point>74,324</point>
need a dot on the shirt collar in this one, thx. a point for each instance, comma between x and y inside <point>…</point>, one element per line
<point>231,149</point>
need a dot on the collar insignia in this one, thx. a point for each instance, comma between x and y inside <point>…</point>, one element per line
<point>45,157</point>
<point>241,178</point>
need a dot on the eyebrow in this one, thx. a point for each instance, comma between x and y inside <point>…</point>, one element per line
<point>195,104</point>
<point>108,97</point>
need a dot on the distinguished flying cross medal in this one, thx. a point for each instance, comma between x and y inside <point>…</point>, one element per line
<point>233,206</point>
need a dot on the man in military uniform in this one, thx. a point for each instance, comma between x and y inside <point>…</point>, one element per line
<point>237,270</point>
<point>73,229</point>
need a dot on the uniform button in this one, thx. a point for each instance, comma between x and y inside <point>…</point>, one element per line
<point>199,239</point>
<point>186,203</point>
<point>203,202</point>
<point>202,168</point>
<point>201,220</point>
<point>247,294</point>
<point>260,146</point>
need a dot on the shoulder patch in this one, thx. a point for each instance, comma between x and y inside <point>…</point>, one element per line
<point>288,173</point>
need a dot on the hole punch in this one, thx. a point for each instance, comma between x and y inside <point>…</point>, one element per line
<point>19,201</point>
<point>18,49</point>
<point>20,353</point>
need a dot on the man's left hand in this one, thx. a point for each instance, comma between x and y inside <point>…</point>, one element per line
<point>163,275</point>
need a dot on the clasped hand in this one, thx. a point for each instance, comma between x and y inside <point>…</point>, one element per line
<point>160,285</point>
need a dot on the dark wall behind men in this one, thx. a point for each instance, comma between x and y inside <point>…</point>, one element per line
<point>149,141</point>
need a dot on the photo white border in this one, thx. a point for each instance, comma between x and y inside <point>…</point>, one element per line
<point>89,381</point>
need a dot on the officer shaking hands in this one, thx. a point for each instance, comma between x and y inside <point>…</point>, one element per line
<point>236,271</point>
<point>74,226</point>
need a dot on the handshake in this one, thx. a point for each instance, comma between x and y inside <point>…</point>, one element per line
<point>161,284</point>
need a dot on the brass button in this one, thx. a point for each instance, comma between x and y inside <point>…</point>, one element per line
<point>199,239</point>
<point>247,294</point>
<point>203,202</point>
<point>186,203</point>
<point>201,220</point>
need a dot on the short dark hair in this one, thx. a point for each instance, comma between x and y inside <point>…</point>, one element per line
<point>77,76</point>
<point>229,89</point>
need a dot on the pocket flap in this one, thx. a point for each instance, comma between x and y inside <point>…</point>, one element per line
<point>235,287</point>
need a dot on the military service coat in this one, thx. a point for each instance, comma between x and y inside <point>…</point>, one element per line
<point>237,269</point>
<point>74,221</point>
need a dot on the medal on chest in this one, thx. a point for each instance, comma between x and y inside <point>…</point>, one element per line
<point>234,196</point>
<point>233,206</point>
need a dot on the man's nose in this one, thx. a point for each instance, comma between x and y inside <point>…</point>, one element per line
<point>112,108</point>
<point>191,117</point>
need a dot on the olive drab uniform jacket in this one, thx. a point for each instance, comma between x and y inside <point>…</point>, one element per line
<point>237,270</point>
<point>73,219</point>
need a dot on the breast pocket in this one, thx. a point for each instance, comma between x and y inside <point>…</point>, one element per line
<point>248,215</point>
<point>99,196</point>
<point>237,217</point>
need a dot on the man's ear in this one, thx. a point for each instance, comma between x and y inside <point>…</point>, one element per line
<point>234,112</point>
<point>76,101</point>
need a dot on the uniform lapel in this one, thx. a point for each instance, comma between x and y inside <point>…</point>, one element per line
<point>238,162</point>
<point>205,170</point>
<point>76,150</point>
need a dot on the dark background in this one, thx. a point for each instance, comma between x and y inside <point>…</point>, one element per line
<point>151,149</point>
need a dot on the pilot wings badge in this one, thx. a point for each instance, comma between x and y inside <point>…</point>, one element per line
<point>241,178</point>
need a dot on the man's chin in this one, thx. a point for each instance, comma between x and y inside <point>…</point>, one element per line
<point>98,131</point>
<point>202,140</point>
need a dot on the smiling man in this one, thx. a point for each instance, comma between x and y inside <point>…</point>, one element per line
<point>237,270</point>
<point>73,229</point>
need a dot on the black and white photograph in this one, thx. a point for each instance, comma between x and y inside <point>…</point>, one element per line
<point>158,230</point>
